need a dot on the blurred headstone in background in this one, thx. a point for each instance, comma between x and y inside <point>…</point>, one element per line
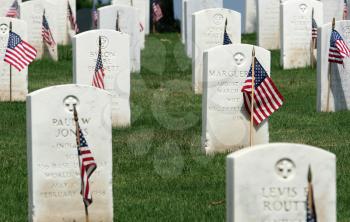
<point>84,19</point>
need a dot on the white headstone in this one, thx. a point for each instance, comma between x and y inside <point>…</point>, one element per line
<point>339,93</point>
<point>63,24</point>
<point>128,23</point>
<point>247,8</point>
<point>208,31</point>
<point>193,6</point>
<point>115,58</point>
<point>5,6</point>
<point>226,123</point>
<point>296,23</point>
<point>268,24</point>
<point>53,167</point>
<point>332,9</point>
<point>19,82</point>
<point>32,13</point>
<point>270,183</point>
<point>141,6</point>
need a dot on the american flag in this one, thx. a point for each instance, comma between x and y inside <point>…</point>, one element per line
<point>157,11</point>
<point>346,10</point>
<point>338,49</point>
<point>311,215</point>
<point>19,53</point>
<point>227,39</point>
<point>87,167</point>
<point>94,15</point>
<point>13,10</point>
<point>98,80</point>
<point>314,29</point>
<point>267,98</point>
<point>46,33</point>
<point>72,20</point>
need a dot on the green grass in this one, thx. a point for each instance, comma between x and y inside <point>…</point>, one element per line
<point>159,171</point>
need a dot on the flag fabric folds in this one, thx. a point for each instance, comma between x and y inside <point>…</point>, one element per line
<point>72,20</point>
<point>98,79</point>
<point>87,167</point>
<point>227,39</point>
<point>338,49</point>
<point>46,33</point>
<point>13,11</point>
<point>314,29</point>
<point>346,10</point>
<point>157,11</point>
<point>311,215</point>
<point>94,15</point>
<point>267,98</point>
<point>19,53</point>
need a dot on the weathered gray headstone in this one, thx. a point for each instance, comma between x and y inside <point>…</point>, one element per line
<point>193,6</point>
<point>115,58</point>
<point>226,123</point>
<point>296,26</point>
<point>208,31</point>
<point>19,82</point>
<point>339,93</point>
<point>247,8</point>
<point>53,166</point>
<point>270,183</point>
<point>128,23</point>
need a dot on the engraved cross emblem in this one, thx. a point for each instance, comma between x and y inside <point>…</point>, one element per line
<point>69,103</point>
<point>3,29</point>
<point>285,168</point>
<point>239,58</point>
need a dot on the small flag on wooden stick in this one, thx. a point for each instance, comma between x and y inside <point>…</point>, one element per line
<point>13,11</point>
<point>98,79</point>
<point>72,20</point>
<point>311,215</point>
<point>227,39</point>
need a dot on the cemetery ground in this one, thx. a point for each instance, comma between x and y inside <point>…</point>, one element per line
<point>159,170</point>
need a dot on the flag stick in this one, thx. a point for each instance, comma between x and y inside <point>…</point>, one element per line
<point>117,28</point>
<point>10,70</point>
<point>330,73</point>
<point>312,60</point>
<point>77,135</point>
<point>252,99</point>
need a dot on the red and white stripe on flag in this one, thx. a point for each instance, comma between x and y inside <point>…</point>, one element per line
<point>267,99</point>
<point>19,53</point>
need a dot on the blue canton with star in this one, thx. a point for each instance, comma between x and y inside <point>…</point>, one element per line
<point>14,40</point>
<point>335,37</point>
<point>99,64</point>
<point>260,74</point>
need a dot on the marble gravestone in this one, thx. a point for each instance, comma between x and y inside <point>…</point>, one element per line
<point>193,6</point>
<point>268,23</point>
<point>339,93</point>
<point>248,10</point>
<point>332,9</point>
<point>115,58</point>
<point>208,31</point>
<point>64,30</point>
<point>226,123</point>
<point>5,6</point>
<point>270,183</point>
<point>141,6</point>
<point>53,167</point>
<point>32,13</point>
<point>19,86</point>
<point>296,23</point>
<point>128,23</point>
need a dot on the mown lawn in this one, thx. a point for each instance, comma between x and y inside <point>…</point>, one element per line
<point>160,173</point>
